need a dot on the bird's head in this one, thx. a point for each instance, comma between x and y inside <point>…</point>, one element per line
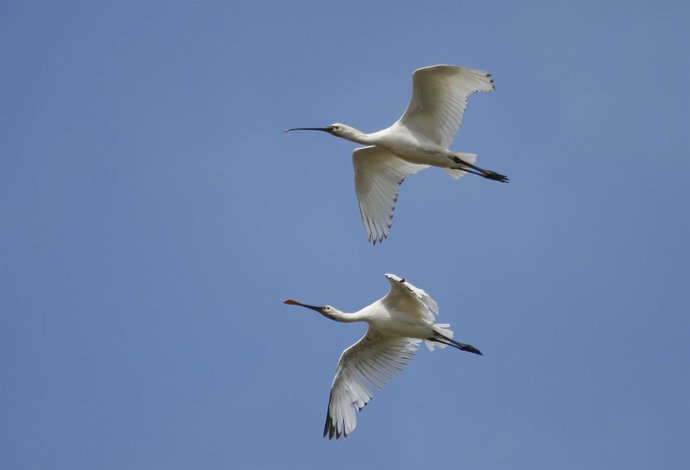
<point>337,129</point>
<point>340,130</point>
<point>326,310</point>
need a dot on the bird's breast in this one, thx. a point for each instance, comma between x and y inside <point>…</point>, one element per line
<point>414,150</point>
<point>402,326</point>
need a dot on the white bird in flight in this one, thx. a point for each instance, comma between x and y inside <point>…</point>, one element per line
<point>398,323</point>
<point>419,139</point>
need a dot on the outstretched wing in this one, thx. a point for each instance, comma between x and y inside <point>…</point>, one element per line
<point>439,98</point>
<point>373,359</point>
<point>404,297</point>
<point>378,176</point>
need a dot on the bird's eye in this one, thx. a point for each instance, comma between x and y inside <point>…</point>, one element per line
<point>335,128</point>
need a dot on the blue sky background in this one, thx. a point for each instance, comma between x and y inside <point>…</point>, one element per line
<point>154,216</point>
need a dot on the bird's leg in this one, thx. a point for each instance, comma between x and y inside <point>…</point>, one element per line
<point>488,174</point>
<point>456,344</point>
<point>467,170</point>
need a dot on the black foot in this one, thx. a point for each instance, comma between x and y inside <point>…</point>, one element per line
<point>492,175</point>
<point>469,348</point>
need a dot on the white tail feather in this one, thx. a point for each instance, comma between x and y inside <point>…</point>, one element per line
<point>442,329</point>
<point>468,157</point>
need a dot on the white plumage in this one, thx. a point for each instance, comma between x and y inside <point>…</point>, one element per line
<point>398,323</point>
<point>419,139</point>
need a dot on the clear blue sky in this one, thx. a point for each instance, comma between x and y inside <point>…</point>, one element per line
<point>154,216</point>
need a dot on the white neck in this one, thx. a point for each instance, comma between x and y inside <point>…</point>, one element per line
<point>342,317</point>
<point>354,135</point>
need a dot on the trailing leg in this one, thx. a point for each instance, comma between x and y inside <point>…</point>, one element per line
<point>488,174</point>
<point>456,344</point>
